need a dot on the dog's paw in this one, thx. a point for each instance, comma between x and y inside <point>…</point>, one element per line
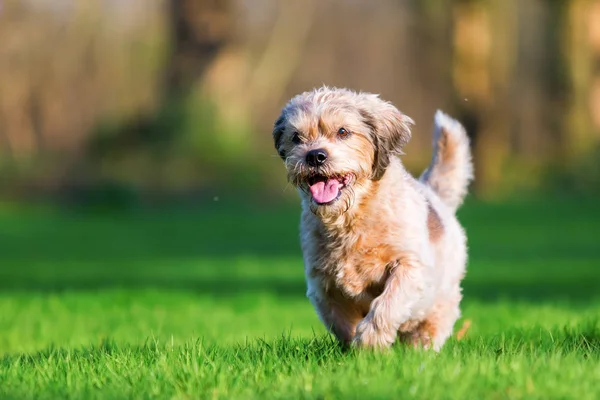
<point>368,336</point>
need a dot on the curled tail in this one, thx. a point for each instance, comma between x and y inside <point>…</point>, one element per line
<point>451,169</point>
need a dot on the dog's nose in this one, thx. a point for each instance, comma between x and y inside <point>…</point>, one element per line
<point>317,157</point>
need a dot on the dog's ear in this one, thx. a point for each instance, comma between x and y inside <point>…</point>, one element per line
<point>390,131</point>
<point>278,129</point>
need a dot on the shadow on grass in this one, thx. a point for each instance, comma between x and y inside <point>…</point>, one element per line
<point>571,291</point>
<point>536,251</point>
<point>211,232</point>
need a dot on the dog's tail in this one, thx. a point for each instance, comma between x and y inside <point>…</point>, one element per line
<point>451,169</point>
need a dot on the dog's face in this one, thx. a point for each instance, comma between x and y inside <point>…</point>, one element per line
<point>335,141</point>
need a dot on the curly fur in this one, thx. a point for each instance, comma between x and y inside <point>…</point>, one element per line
<point>385,260</point>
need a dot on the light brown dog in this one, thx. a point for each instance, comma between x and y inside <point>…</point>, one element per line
<point>384,253</point>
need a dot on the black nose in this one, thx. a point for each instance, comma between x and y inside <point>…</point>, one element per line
<point>317,157</point>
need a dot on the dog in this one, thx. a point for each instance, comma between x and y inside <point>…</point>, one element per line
<point>384,254</point>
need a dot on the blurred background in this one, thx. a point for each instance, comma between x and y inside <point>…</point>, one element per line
<point>142,101</point>
<point>140,190</point>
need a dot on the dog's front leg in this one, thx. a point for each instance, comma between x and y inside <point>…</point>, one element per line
<point>339,320</point>
<point>402,290</point>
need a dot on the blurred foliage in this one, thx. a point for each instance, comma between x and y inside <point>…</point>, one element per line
<point>582,177</point>
<point>126,102</point>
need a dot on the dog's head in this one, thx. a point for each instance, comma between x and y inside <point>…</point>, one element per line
<point>334,142</point>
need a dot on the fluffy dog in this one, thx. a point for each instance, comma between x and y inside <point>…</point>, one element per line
<point>384,253</point>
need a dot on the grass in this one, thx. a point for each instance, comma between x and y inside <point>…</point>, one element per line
<point>210,304</point>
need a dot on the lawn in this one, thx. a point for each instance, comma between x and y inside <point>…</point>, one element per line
<point>210,304</point>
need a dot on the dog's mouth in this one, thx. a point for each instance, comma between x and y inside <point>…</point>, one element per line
<point>327,189</point>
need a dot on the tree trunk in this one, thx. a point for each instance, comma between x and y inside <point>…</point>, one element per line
<point>582,54</point>
<point>484,53</point>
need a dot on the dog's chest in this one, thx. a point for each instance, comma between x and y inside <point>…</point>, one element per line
<point>357,264</point>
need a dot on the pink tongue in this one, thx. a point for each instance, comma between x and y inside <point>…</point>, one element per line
<point>324,192</point>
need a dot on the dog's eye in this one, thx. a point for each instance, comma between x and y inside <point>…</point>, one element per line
<point>296,138</point>
<point>342,132</point>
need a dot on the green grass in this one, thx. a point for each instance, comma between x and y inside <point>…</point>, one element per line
<point>210,304</point>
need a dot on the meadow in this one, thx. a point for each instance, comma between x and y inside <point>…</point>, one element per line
<point>209,302</point>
